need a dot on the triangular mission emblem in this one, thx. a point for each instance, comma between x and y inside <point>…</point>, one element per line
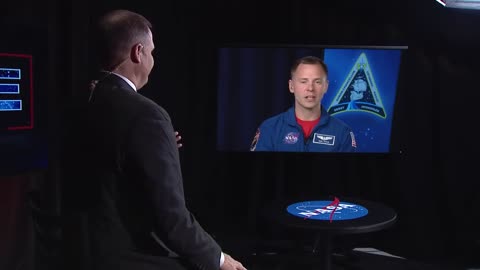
<point>359,91</point>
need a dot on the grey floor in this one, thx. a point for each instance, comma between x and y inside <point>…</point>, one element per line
<point>282,255</point>
<point>352,261</point>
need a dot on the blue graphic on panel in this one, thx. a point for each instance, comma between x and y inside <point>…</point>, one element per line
<point>9,88</point>
<point>362,90</point>
<point>324,210</point>
<point>359,91</point>
<point>10,105</point>
<point>16,92</point>
<point>10,73</point>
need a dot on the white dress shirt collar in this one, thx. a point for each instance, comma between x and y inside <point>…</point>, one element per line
<point>126,80</point>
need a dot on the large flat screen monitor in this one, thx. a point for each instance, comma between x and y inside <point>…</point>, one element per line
<point>253,85</point>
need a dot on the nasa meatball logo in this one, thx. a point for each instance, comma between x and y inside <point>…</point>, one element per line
<point>327,210</point>
<point>291,138</point>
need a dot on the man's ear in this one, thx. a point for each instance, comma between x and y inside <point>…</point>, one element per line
<point>135,52</point>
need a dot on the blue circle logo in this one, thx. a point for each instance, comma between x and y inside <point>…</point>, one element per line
<point>327,210</point>
<point>291,138</point>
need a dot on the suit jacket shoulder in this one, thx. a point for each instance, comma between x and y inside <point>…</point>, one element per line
<point>133,180</point>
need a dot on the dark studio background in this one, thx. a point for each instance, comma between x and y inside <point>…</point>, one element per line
<point>432,184</point>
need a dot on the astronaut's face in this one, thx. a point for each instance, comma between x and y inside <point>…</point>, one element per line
<point>308,84</point>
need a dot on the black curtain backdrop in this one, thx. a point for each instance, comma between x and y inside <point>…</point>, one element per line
<point>431,184</point>
<point>16,246</point>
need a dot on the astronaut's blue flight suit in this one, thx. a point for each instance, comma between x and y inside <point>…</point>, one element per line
<point>282,133</point>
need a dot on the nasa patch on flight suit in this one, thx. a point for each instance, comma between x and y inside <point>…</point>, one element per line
<point>323,139</point>
<point>291,138</point>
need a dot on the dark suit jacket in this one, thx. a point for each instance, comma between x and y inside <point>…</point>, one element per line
<point>123,185</point>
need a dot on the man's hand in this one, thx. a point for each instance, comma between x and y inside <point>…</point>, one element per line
<point>231,264</point>
<point>178,137</point>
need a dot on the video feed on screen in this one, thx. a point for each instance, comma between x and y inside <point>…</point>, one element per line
<point>293,98</point>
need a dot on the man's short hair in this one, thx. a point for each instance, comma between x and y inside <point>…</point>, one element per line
<point>310,60</point>
<point>117,31</point>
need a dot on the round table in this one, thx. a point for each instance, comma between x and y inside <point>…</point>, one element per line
<point>379,216</point>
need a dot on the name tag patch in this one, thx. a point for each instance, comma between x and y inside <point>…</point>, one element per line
<point>323,139</point>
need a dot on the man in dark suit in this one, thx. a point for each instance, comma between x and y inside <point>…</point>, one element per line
<point>123,184</point>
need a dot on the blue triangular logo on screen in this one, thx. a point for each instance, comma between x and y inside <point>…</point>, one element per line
<point>359,91</point>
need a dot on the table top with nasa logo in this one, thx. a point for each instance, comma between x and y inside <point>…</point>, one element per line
<point>335,215</point>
